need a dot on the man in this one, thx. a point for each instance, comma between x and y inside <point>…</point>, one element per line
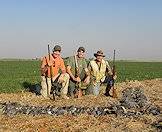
<point>78,71</point>
<point>50,67</point>
<point>99,68</point>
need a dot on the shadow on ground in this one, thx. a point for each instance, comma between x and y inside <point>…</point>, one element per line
<point>34,88</point>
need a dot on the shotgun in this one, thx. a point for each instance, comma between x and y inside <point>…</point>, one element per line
<point>51,75</point>
<point>114,94</point>
<point>77,72</point>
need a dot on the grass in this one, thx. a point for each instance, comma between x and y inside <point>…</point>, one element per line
<point>138,70</point>
<point>14,74</point>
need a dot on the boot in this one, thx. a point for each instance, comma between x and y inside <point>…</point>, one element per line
<point>107,91</point>
<point>64,96</point>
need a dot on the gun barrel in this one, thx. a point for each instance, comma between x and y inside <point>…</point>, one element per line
<point>114,58</point>
<point>77,67</point>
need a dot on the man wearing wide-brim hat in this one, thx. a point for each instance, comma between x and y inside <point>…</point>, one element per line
<point>99,53</point>
<point>98,69</point>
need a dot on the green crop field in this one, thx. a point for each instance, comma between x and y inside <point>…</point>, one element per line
<point>15,74</point>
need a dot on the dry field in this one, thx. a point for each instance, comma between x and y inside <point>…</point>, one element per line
<point>83,122</point>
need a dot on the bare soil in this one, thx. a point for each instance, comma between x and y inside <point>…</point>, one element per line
<point>43,123</point>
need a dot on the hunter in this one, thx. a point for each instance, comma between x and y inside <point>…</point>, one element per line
<point>51,64</point>
<point>100,71</point>
<point>79,74</point>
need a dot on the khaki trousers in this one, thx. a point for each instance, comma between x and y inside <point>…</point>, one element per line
<point>46,85</point>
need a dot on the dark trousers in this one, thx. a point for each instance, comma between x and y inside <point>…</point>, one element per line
<point>109,84</point>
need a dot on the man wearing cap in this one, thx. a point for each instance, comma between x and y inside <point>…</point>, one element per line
<point>98,69</point>
<point>78,71</point>
<point>51,64</point>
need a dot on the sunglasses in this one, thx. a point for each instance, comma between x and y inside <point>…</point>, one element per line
<point>56,53</point>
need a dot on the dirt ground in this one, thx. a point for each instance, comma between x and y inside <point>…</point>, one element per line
<point>43,123</point>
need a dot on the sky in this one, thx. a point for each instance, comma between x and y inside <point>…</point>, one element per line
<point>132,27</point>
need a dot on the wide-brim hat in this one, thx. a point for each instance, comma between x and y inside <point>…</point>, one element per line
<point>99,53</point>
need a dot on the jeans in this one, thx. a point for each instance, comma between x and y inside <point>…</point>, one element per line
<point>96,89</point>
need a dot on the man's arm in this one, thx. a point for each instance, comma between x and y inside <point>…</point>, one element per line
<point>44,66</point>
<point>70,64</point>
<point>109,70</point>
<point>68,68</point>
<point>87,79</point>
<point>69,72</point>
<point>85,66</point>
<point>62,66</point>
<point>87,71</point>
<point>71,75</point>
<point>63,70</point>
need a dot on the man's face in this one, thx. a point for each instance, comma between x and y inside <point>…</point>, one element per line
<point>56,54</point>
<point>81,54</point>
<point>99,58</point>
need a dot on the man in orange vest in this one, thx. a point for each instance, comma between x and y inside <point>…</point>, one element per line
<point>51,64</point>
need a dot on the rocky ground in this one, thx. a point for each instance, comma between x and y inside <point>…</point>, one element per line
<point>84,122</point>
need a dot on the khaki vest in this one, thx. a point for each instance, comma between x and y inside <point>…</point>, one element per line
<point>98,74</point>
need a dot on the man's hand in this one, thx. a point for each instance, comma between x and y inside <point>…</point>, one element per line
<point>44,70</point>
<point>87,80</point>
<point>61,79</point>
<point>50,63</point>
<point>77,79</point>
<point>115,77</point>
<point>102,79</point>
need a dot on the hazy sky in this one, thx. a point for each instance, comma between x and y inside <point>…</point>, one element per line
<point>132,27</point>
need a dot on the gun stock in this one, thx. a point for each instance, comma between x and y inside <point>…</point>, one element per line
<point>79,92</point>
<point>114,93</point>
